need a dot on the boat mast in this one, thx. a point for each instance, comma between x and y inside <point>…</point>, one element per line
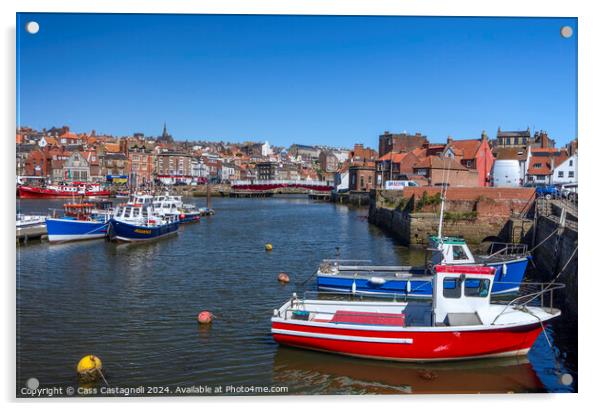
<point>443,195</point>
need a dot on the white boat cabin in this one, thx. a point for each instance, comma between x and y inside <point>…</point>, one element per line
<point>138,211</point>
<point>450,250</point>
<point>462,294</point>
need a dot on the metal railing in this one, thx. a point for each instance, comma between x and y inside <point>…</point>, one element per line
<point>532,294</point>
<point>497,249</point>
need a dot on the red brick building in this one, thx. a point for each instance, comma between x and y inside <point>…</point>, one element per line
<point>445,170</point>
<point>473,154</point>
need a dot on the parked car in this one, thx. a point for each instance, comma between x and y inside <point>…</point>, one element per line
<point>569,191</point>
<point>547,191</point>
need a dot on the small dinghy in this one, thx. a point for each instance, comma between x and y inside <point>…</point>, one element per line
<point>460,322</point>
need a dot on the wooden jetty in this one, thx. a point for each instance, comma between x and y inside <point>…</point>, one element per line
<point>31,233</point>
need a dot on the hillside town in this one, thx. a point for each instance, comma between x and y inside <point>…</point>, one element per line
<point>61,155</point>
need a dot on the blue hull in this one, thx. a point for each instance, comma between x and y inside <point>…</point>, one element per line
<point>420,286</point>
<point>68,229</point>
<point>121,231</point>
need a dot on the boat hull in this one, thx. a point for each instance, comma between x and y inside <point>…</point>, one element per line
<point>121,231</point>
<point>60,229</point>
<point>36,192</point>
<point>408,346</point>
<point>506,281</point>
<point>187,218</point>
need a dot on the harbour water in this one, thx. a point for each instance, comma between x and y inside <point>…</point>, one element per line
<point>135,307</point>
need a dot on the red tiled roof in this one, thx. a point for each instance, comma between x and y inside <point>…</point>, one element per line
<point>466,149</point>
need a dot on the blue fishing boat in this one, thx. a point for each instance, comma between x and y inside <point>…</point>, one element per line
<point>509,260</point>
<point>137,220</point>
<point>81,221</point>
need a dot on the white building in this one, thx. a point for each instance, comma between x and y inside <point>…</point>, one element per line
<point>266,150</point>
<point>566,172</point>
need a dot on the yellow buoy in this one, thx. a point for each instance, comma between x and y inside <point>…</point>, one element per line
<point>89,368</point>
<point>268,247</point>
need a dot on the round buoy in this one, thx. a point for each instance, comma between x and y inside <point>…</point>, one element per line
<point>182,216</point>
<point>89,368</point>
<point>283,278</point>
<point>205,317</point>
<point>268,247</point>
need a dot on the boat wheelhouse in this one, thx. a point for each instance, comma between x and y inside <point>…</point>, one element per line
<point>173,205</point>
<point>459,323</point>
<point>509,260</point>
<point>137,220</point>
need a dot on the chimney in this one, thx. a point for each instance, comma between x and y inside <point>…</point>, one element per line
<point>449,140</point>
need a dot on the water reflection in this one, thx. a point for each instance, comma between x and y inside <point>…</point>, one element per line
<point>315,372</point>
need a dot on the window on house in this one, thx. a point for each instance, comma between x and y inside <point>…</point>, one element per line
<point>516,140</point>
<point>476,288</point>
<point>451,287</point>
<point>541,178</point>
<point>560,174</point>
<point>570,163</point>
<point>468,163</point>
<point>362,181</point>
<point>571,174</point>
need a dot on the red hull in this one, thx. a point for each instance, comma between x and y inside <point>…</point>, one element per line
<point>417,345</point>
<point>35,192</point>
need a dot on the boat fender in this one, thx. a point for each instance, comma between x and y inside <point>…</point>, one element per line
<point>504,269</point>
<point>268,247</point>
<point>353,287</point>
<point>408,287</point>
<point>377,280</point>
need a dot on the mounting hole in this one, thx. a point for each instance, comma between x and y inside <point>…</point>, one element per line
<point>32,27</point>
<point>566,32</point>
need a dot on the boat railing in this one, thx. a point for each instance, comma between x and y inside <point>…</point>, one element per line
<point>532,294</point>
<point>497,249</point>
<point>355,297</point>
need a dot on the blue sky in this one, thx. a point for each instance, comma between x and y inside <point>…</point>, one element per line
<point>297,79</point>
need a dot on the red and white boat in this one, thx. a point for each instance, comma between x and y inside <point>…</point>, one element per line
<point>460,323</point>
<point>77,189</point>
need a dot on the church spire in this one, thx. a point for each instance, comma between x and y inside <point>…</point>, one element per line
<point>164,135</point>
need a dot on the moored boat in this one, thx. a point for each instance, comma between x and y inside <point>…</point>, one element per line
<point>509,260</point>
<point>137,220</point>
<point>459,323</point>
<point>25,220</point>
<point>76,189</point>
<point>81,221</point>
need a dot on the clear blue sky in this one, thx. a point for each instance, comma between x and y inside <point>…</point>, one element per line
<point>297,79</point>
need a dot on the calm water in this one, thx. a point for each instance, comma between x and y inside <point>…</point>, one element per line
<point>135,307</point>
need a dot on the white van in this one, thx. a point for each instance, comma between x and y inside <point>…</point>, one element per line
<point>399,184</point>
<point>506,173</point>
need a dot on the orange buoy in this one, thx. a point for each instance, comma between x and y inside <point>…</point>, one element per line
<point>283,278</point>
<point>205,317</point>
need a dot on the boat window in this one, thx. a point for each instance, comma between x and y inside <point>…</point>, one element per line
<point>136,212</point>
<point>458,252</point>
<point>127,212</point>
<point>451,287</point>
<point>474,287</point>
